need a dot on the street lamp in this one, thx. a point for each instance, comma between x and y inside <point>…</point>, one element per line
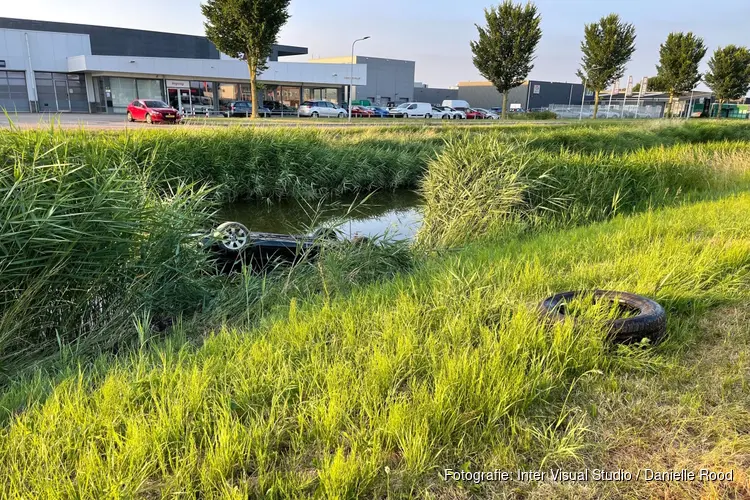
<point>351,76</point>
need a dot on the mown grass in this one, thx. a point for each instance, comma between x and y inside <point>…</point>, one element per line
<point>375,393</point>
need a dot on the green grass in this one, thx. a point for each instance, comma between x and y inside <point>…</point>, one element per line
<point>367,372</point>
<point>374,393</point>
<point>484,185</point>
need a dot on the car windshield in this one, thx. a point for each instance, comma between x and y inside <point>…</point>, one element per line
<point>156,104</point>
<point>308,103</point>
<point>404,105</point>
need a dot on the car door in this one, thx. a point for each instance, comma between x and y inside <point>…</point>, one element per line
<point>411,110</point>
<point>330,109</point>
<point>138,111</point>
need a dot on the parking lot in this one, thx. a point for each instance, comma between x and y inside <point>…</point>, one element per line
<point>118,122</point>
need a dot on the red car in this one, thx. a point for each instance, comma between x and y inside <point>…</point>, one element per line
<point>359,111</point>
<point>152,111</point>
<point>473,114</point>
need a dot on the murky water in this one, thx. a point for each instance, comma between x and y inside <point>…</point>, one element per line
<point>397,214</point>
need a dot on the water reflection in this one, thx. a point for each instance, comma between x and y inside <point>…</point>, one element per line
<point>396,213</point>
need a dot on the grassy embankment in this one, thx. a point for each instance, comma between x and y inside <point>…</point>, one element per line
<point>373,390</point>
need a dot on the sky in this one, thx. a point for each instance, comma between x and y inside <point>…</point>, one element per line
<point>434,33</point>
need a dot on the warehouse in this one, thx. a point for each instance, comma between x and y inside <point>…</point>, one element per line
<point>530,95</point>
<point>388,80</point>
<point>61,67</point>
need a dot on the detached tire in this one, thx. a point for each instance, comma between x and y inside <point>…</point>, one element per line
<point>649,322</point>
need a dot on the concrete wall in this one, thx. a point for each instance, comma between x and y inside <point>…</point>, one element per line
<point>390,79</point>
<point>434,96</point>
<point>214,70</point>
<point>484,94</point>
<point>554,93</point>
<point>49,53</point>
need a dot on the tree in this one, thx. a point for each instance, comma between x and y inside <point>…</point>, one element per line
<point>246,30</point>
<point>655,84</point>
<point>679,57</point>
<point>607,47</point>
<point>729,73</point>
<point>505,49</point>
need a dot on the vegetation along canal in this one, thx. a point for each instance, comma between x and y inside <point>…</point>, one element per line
<point>397,214</point>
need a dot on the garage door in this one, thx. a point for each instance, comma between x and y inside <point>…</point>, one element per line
<point>13,94</point>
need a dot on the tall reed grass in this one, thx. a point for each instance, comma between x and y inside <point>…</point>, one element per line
<point>86,242</point>
<point>484,185</point>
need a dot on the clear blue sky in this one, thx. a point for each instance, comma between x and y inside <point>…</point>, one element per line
<point>434,33</point>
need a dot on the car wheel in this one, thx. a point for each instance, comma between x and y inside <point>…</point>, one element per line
<point>445,117</point>
<point>130,117</point>
<point>315,114</point>
<point>148,119</point>
<point>341,115</point>
<point>405,115</point>
<point>232,236</point>
<point>428,116</point>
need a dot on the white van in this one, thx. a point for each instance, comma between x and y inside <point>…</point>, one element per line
<point>412,110</point>
<point>456,104</point>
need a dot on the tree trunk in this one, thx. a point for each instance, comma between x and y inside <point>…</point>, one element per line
<point>505,105</point>
<point>596,103</point>
<point>253,68</point>
<point>669,104</point>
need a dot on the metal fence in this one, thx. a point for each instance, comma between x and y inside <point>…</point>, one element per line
<point>617,110</point>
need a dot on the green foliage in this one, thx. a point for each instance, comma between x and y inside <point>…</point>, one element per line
<point>86,242</point>
<point>484,185</point>
<point>368,396</point>
<point>607,47</point>
<point>655,84</point>
<point>728,73</point>
<point>505,49</point>
<point>679,58</point>
<point>247,30</point>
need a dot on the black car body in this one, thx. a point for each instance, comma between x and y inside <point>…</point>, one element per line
<point>245,108</point>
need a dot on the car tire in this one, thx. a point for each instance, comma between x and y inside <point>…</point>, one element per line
<point>649,322</point>
<point>130,117</point>
<point>315,114</point>
<point>445,117</point>
<point>341,115</point>
<point>234,236</point>
<point>149,120</point>
<point>427,116</point>
<point>405,115</point>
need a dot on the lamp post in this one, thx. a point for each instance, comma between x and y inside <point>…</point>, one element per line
<point>351,76</point>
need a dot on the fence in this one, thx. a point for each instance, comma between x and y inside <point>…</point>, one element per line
<point>617,110</point>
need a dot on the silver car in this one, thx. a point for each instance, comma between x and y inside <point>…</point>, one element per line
<point>317,109</point>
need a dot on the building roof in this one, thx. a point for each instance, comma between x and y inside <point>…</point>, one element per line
<point>96,30</point>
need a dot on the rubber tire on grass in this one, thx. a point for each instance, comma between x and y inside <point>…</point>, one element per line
<point>650,322</point>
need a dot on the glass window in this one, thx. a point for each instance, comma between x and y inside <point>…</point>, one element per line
<point>150,89</point>
<point>43,76</point>
<point>123,93</point>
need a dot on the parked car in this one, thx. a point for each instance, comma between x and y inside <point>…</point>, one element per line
<point>490,115</point>
<point>456,104</point>
<point>439,113</point>
<point>454,113</point>
<point>317,109</point>
<point>152,111</point>
<point>412,110</point>
<point>245,108</point>
<point>361,112</point>
<point>378,111</point>
<point>278,108</point>
<point>474,114</point>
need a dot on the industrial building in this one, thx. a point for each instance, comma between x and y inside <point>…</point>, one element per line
<point>530,95</point>
<point>388,80</point>
<point>424,93</point>
<point>58,67</point>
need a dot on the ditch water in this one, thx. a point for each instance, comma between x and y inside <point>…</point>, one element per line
<point>397,214</point>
